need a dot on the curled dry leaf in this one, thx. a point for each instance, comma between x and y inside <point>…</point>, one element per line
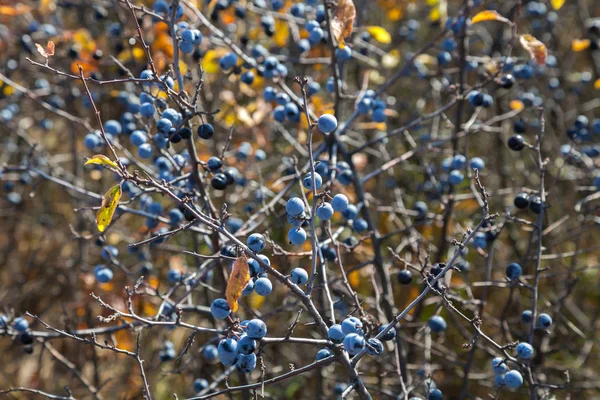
<point>101,159</point>
<point>110,201</point>
<point>48,51</point>
<point>343,19</point>
<point>536,49</point>
<point>489,15</point>
<point>239,278</point>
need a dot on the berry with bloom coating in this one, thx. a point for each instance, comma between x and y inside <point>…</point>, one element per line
<point>246,345</point>
<point>336,334</point>
<point>256,242</point>
<point>513,379</point>
<point>294,206</point>
<point>297,236</point>
<point>339,202</point>
<point>256,329</point>
<point>524,350</point>
<point>352,325</point>
<point>499,366</point>
<point>323,353</point>
<point>263,286</point>
<point>299,276</point>
<point>325,211</point>
<point>246,363</point>
<point>354,343</point>
<point>210,353</point>
<point>220,309</point>
<point>327,123</point>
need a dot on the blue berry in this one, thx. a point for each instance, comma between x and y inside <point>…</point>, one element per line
<point>524,350</point>
<point>228,61</point>
<point>513,379</point>
<point>256,329</point>
<point>297,236</point>
<point>138,138</point>
<point>246,363</point>
<point>206,131</point>
<point>299,276</point>
<point>456,177</point>
<point>352,325</point>
<point>220,309</point>
<point>103,274</point>
<point>307,181</point>
<point>20,324</point>
<point>294,206</point>
<point>374,347</point>
<point>544,321</point>
<point>527,316</point>
<point>174,276</point>
<point>477,163</point>
<point>256,242</point>
<point>360,225</point>
<point>350,212</point>
<point>499,365</point>
<point>263,286</point>
<point>210,353</point>
<point>339,202</point>
<point>437,324</point>
<point>513,271</point>
<point>327,123</point>
<point>354,343</point>
<point>389,335</point>
<point>323,353</point>
<point>325,211</point>
<point>145,150</point>
<point>200,384</point>
<point>435,394</point>
<point>246,345</point>
<point>336,334</point>
<point>227,350</point>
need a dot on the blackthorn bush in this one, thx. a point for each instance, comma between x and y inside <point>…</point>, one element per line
<point>299,199</point>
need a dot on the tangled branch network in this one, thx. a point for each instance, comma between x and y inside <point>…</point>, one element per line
<point>243,199</point>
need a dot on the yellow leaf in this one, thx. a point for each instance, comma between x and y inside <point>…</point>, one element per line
<point>435,14</point>
<point>101,159</point>
<point>516,105</point>
<point>282,33</point>
<point>210,62</point>
<point>380,34</point>
<point>488,15</point>
<point>580,44</point>
<point>536,49</point>
<point>557,4</point>
<point>597,84</point>
<point>110,201</point>
<point>239,278</point>
<point>343,19</point>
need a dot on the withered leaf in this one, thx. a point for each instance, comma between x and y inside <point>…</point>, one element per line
<point>239,278</point>
<point>343,19</point>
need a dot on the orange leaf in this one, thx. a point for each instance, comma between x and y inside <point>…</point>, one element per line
<point>48,51</point>
<point>12,11</point>
<point>239,278</point>
<point>343,19</point>
<point>536,49</point>
<point>597,84</point>
<point>488,15</point>
<point>580,44</point>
